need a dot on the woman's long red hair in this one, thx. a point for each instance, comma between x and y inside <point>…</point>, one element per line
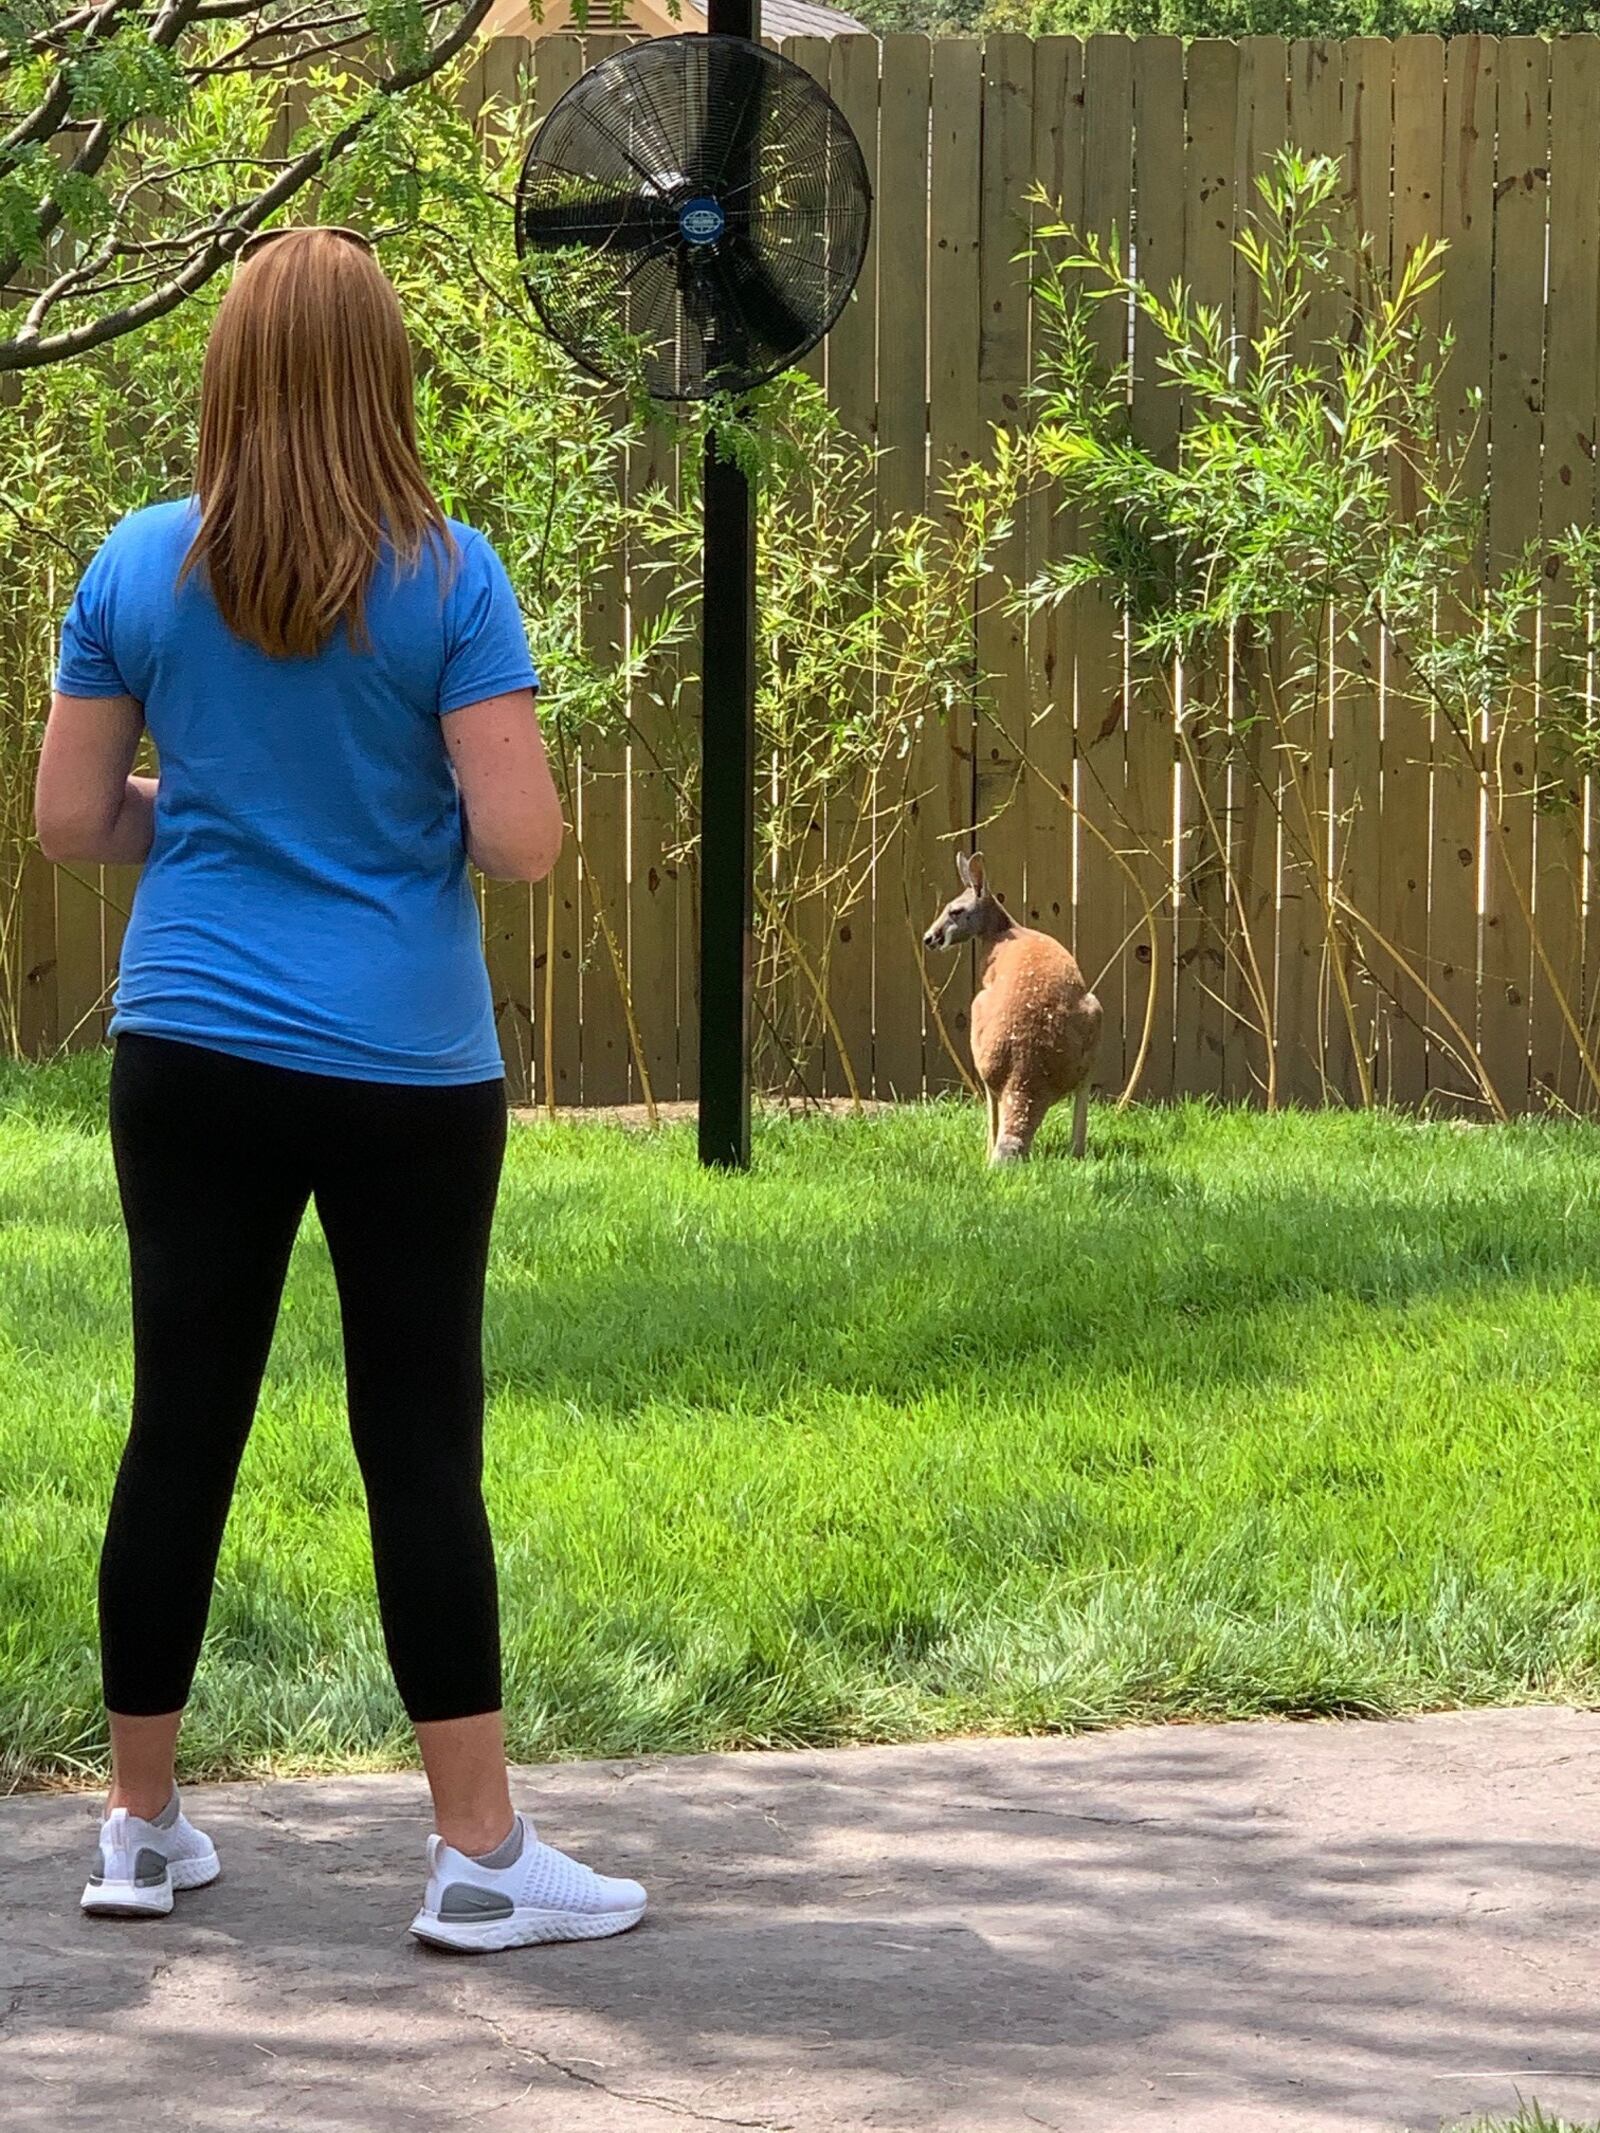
<point>308,449</point>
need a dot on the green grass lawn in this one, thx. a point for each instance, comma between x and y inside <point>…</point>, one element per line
<point>1241,1416</point>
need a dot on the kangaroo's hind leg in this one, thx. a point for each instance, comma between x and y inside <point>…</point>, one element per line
<point>1019,1112</point>
<point>1080,1118</point>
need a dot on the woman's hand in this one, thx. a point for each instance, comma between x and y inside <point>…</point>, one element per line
<point>87,805</point>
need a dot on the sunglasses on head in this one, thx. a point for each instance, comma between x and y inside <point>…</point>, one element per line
<point>262,238</point>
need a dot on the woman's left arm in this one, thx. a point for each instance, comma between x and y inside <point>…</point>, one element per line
<point>87,805</point>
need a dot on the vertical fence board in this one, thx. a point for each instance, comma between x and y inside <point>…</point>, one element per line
<point>80,989</point>
<point>910,872</point>
<point>1516,436</point>
<point>1261,131</point>
<point>491,101</point>
<point>1251,823</point>
<point>1052,532</point>
<point>38,1022</point>
<point>1466,299</point>
<point>1572,351</point>
<point>655,827</point>
<point>812,53</point>
<point>797,1048</point>
<point>1316,127</point>
<point>1204,830</point>
<point>955,437</point>
<point>1100,767</point>
<point>604,1060</point>
<point>119,884</point>
<point>1402,888</point>
<point>1001,729</point>
<point>557,940</point>
<point>853,390</point>
<point>1356,796</point>
<point>1150,741</point>
<point>849,69</point>
<point>80,979</point>
<point>1315,1034</point>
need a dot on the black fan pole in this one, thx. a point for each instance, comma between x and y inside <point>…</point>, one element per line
<point>727,768</point>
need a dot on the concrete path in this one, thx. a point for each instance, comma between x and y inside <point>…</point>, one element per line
<point>1205,1929</point>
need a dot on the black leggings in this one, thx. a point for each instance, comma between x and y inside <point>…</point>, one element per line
<point>216,1159</point>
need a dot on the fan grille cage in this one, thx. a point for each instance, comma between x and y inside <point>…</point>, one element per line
<point>618,176</point>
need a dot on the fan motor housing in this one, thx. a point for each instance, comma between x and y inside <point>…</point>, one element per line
<point>702,220</point>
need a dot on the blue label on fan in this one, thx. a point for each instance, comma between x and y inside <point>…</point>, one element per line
<point>701,221</point>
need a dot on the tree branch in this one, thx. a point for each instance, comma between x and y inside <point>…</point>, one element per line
<point>29,352</point>
<point>45,119</point>
<point>164,33</point>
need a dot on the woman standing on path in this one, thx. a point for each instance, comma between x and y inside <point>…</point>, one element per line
<point>337,683</point>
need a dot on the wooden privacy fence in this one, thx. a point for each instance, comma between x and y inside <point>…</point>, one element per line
<point>1493,145</point>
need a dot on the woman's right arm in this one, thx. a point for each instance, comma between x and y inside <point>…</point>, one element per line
<point>88,807</point>
<point>508,796</point>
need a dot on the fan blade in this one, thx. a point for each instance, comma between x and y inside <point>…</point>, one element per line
<point>763,309</point>
<point>736,77</point>
<point>624,221</point>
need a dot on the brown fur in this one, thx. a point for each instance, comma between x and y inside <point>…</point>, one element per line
<point>1035,1024</point>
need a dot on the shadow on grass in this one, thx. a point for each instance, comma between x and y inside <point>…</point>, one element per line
<point>1149,1281</point>
<point>879,1258</point>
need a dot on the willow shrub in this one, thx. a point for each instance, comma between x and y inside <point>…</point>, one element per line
<point>1320,500</point>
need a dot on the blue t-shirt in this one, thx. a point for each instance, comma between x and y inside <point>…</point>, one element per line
<point>306,900</point>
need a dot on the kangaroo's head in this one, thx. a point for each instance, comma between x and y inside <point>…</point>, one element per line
<point>973,915</point>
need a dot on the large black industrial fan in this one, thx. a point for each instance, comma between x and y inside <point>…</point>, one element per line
<point>712,205</point>
<point>694,213</point>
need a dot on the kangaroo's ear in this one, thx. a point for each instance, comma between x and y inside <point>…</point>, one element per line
<point>974,873</point>
<point>964,870</point>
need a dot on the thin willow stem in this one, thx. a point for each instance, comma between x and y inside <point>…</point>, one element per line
<point>1311,860</point>
<point>770,904</point>
<point>624,988</point>
<point>968,1077</point>
<point>1470,1055</point>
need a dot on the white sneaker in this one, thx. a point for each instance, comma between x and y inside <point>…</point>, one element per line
<point>543,1895</point>
<point>139,1864</point>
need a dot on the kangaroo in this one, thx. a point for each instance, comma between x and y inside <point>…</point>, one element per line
<point>1035,1024</point>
